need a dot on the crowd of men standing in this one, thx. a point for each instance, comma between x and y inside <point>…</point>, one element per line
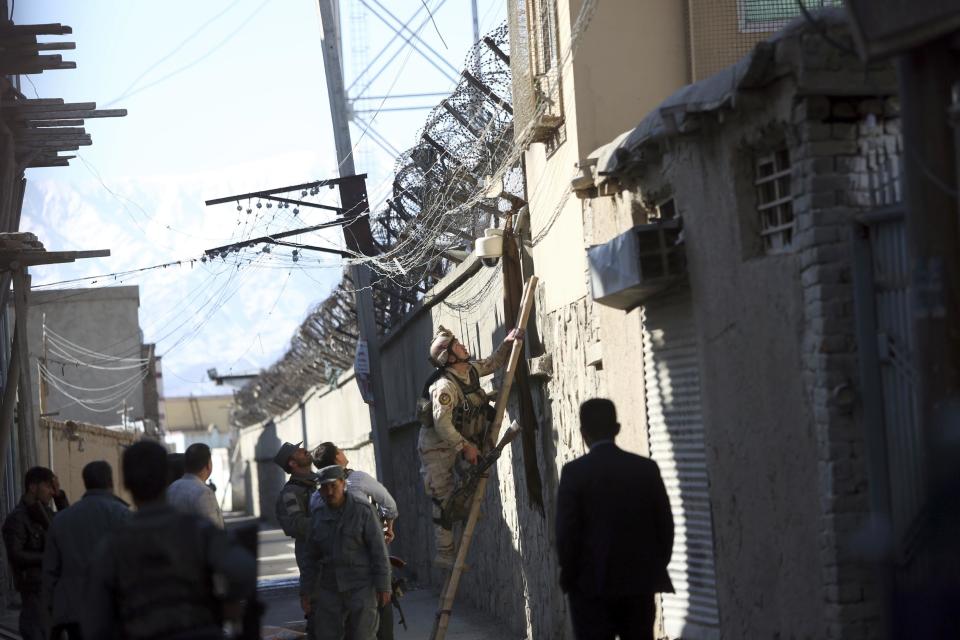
<point>96,569</point>
<point>99,570</point>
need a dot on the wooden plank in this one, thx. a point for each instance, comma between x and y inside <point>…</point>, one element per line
<point>42,124</point>
<point>22,106</point>
<point>45,133</point>
<point>55,161</point>
<point>29,102</point>
<point>42,46</point>
<point>65,145</point>
<point>48,152</point>
<point>35,257</point>
<point>35,64</point>
<point>54,115</point>
<point>51,29</point>
<point>442,621</point>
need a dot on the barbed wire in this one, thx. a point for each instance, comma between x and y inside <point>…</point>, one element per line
<point>440,202</point>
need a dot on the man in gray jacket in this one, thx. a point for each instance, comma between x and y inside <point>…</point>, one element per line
<point>346,573</point>
<point>70,541</point>
<point>190,494</point>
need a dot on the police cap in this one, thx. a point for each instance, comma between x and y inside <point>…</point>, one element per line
<point>332,473</point>
<point>283,456</point>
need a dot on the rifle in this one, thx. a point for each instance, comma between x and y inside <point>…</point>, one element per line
<point>397,585</point>
<point>457,506</point>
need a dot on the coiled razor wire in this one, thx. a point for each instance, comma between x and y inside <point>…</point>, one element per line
<point>438,203</point>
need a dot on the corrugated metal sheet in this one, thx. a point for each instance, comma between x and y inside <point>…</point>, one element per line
<point>675,426</point>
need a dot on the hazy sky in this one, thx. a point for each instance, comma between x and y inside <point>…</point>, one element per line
<point>224,97</point>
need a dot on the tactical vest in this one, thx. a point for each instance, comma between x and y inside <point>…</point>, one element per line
<point>465,413</point>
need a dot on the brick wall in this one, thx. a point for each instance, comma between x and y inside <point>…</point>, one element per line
<point>840,141</point>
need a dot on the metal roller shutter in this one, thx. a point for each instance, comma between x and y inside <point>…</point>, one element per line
<point>675,431</point>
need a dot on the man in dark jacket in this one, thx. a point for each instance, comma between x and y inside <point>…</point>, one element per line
<point>24,536</point>
<point>70,541</point>
<point>293,503</point>
<point>614,533</point>
<point>346,574</point>
<point>164,573</point>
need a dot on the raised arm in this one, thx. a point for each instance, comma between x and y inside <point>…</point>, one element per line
<point>371,487</point>
<point>490,364</point>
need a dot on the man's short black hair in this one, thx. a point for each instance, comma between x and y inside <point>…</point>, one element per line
<point>37,475</point>
<point>145,470</point>
<point>196,458</point>
<point>598,419</point>
<point>327,455</point>
<point>97,475</point>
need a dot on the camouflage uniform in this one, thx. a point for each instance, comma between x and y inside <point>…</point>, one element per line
<point>459,415</point>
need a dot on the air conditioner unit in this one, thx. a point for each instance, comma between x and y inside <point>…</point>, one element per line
<point>637,264</point>
<point>550,115</point>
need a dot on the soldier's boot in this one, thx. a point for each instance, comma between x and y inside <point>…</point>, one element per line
<point>445,545</point>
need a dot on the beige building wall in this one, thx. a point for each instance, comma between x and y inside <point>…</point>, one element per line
<point>632,56</point>
<point>76,445</point>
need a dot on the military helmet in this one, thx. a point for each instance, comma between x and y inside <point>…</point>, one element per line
<point>439,347</point>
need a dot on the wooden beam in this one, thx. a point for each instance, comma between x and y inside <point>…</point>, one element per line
<point>43,104</point>
<point>27,422</point>
<point>42,46</point>
<point>33,102</point>
<point>22,258</point>
<point>66,144</point>
<point>51,29</point>
<point>48,132</point>
<point>58,161</point>
<point>44,124</point>
<point>56,115</point>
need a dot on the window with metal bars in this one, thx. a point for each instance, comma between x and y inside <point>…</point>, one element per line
<point>543,18</point>
<point>775,201</point>
<point>772,15</point>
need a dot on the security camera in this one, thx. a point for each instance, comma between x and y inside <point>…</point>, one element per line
<point>489,248</point>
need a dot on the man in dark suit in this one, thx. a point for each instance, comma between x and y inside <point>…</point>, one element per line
<point>614,533</point>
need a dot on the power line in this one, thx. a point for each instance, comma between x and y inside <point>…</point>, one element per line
<point>197,60</point>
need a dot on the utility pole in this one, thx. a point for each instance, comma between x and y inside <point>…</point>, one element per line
<point>353,200</point>
<point>476,21</point>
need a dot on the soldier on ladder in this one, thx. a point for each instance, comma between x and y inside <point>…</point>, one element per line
<point>455,414</point>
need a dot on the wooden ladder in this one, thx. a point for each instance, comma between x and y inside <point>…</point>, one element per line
<point>450,586</point>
